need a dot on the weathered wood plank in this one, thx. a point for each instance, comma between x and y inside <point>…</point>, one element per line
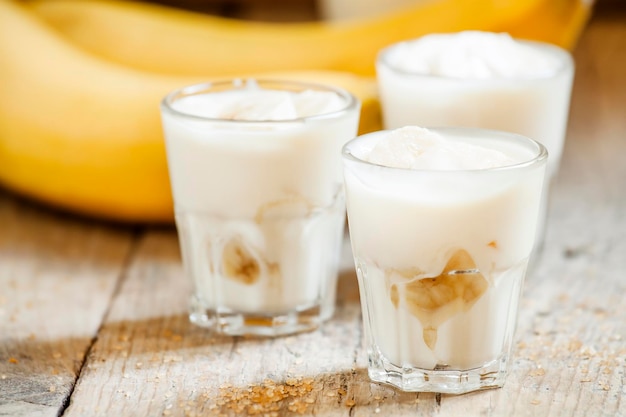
<point>57,276</point>
<point>149,360</point>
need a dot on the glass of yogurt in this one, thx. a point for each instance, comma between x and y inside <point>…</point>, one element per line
<point>442,224</point>
<point>480,79</point>
<point>255,170</point>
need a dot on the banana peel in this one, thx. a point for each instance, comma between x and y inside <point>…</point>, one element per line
<point>84,134</point>
<point>167,40</point>
<point>556,21</point>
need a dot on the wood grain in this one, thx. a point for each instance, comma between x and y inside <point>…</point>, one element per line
<point>57,276</point>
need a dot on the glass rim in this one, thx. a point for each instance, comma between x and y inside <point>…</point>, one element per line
<point>540,156</point>
<point>351,102</point>
<point>565,59</point>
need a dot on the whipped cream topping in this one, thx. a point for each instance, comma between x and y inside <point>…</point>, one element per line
<point>253,103</point>
<point>413,147</point>
<point>473,55</point>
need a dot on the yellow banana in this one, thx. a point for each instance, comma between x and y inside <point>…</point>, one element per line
<point>556,21</point>
<point>84,134</point>
<point>166,40</point>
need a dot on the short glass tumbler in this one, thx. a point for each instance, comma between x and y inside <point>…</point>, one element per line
<point>441,258</point>
<point>260,209</point>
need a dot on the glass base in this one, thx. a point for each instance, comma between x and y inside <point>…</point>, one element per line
<point>235,323</point>
<point>491,375</point>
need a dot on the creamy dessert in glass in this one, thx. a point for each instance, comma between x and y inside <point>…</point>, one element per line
<point>442,224</point>
<point>255,170</point>
<point>480,79</point>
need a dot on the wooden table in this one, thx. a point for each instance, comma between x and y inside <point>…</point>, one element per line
<point>93,316</point>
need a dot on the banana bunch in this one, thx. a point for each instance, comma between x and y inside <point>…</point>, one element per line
<point>185,43</point>
<point>82,80</point>
<point>84,134</point>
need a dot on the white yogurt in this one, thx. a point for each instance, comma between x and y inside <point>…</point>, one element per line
<point>413,147</point>
<point>479,79</point>
<point>458,200</point>
<point>257,104</point>
<point>473,55</point>
<point>257,185</point>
